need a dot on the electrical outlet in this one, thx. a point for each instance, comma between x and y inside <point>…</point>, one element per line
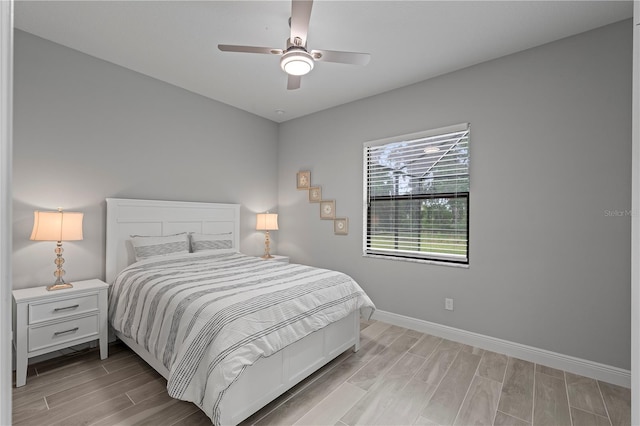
<point>448,304</point>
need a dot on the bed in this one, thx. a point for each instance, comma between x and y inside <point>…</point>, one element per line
<point>236,337</point>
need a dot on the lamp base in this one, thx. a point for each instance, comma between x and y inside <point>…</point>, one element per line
<point>267,240</point>
<point>59,286</point>
<point>59,272</point>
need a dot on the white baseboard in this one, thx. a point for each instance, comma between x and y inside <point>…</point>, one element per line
<point>583,367</point>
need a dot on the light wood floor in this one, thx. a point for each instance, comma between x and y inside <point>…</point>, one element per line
<point>399,377</point>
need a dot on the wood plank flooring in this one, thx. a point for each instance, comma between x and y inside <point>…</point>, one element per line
<point>398,377</point>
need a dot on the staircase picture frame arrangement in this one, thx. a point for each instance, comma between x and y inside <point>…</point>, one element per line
<point>327,207</point>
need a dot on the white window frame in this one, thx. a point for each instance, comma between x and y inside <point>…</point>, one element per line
<point>409,255</point>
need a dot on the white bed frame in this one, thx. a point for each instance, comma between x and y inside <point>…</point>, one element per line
<point>269,377</point>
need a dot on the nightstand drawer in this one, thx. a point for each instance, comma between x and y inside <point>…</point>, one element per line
<point>45,311</point>
<point>62,332</point>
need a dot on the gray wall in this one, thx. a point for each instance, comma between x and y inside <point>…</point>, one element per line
<point>550,172</point>
<point>86,129</point>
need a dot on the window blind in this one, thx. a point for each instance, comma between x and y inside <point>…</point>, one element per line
<point>417,196</point>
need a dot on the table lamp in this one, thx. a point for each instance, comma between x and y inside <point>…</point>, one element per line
<point>267,222</point>
<point>57,226</point>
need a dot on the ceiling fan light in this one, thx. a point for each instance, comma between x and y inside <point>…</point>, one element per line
<point>296,62</point>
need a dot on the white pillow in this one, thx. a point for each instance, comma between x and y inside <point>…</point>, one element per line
<point>145,247</point>
<point>205,242</point>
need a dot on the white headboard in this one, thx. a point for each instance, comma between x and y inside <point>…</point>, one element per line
<point>127,217</point>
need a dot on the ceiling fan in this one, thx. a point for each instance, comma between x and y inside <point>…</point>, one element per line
<point>295,59</point>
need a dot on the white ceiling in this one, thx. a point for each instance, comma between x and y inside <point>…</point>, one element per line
<point>409,41</point>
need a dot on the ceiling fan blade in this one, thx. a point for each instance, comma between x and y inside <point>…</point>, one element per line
<point>300,16</point>
<point>293,82</point>
<point>249,49</point>
<point>353,58</point>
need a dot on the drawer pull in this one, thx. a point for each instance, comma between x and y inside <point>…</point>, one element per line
<point>65,308</point>
<point>71,330</point>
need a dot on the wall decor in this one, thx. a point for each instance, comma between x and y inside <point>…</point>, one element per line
<point>327,209</point>
<point>315,194</point>
<point>341,226</point>
<point>303,180</point>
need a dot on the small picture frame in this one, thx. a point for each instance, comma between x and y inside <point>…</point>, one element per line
<point>341,226</point>
<point>328,209</point>
<point>315,194</point>
<point>303,180</point>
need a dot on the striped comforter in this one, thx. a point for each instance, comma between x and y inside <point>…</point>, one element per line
<point>206,316</point>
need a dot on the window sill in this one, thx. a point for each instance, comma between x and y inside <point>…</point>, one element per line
<point>425,261</point>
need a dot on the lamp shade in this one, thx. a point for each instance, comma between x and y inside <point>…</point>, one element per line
<point>57,226</point>
<point>267,222</point>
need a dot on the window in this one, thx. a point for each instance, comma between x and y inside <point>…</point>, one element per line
<point>416,190</point>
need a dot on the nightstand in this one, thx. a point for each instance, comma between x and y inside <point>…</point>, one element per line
<point>46,321</point>
<point>278,258</point>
